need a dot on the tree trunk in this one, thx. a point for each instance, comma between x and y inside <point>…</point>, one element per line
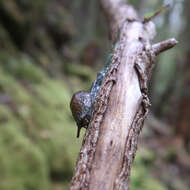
<point>110,142</point>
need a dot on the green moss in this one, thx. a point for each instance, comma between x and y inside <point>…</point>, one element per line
<point>140,173</point>
<point>22,164</point>
<point>22,68</point>
<point>39,117</point>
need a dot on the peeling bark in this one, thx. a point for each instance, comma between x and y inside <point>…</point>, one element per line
<point>110,142</point>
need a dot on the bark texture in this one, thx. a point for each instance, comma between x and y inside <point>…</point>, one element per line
<point>110,142</point>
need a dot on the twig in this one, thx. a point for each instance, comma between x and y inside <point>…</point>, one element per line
<point>164,45</point>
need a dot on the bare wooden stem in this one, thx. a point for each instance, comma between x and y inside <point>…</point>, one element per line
<point>164,45</point>
<point>110,142</point>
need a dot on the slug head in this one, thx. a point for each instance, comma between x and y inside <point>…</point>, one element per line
<point>81,108</point>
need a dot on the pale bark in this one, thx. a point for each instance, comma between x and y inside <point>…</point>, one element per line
<point>110,142</point>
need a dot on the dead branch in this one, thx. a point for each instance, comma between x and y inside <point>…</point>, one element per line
<point>110,142</point>
<point>164,45</point>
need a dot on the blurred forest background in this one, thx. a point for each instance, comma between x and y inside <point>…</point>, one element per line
<point>52,48</point>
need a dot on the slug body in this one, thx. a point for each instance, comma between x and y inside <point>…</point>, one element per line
<point>82,102</point>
